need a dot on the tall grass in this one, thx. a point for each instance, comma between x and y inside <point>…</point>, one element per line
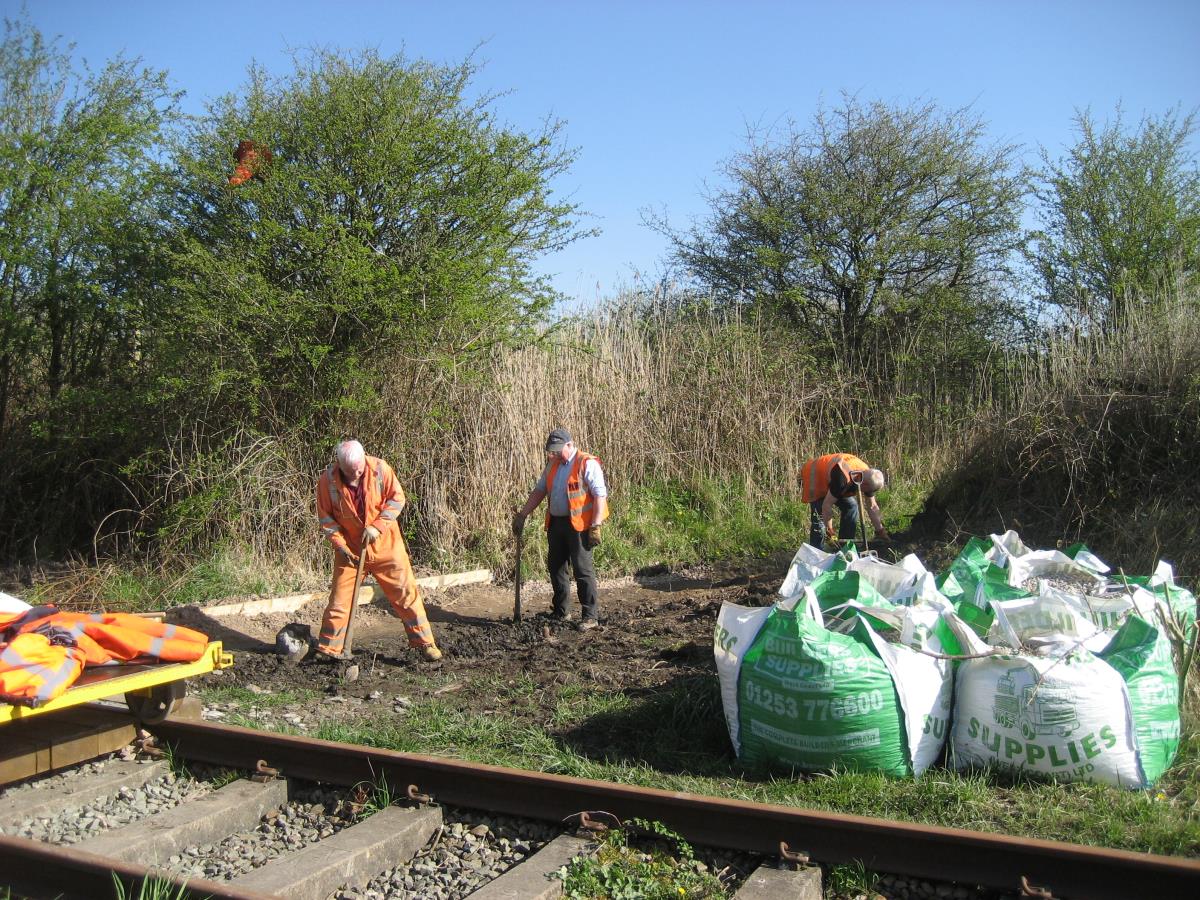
<point>662,396</point>
<point>1096,440</point>
<point>1083,436</point>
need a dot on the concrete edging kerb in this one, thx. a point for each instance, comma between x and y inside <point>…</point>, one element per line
<point>293,602</point>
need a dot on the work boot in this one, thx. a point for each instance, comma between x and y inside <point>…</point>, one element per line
<point>431,653</point>
<point>588,624</point>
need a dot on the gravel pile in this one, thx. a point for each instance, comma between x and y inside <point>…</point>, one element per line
<point>11,791</point>
<point>1069,584</point>
<point>471,850</point>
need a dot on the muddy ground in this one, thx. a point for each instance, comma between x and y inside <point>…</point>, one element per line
<point>654,628</point>
<point>654,640</point>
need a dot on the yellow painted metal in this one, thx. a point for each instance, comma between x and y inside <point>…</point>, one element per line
<point>115,681</point>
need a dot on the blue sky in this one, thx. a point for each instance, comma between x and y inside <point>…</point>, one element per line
<point>656,93</point>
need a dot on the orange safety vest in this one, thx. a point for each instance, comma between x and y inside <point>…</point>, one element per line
<point>580,504</point>
<point>34,671</point>
<point>814,476</point>
<point>384,498</point>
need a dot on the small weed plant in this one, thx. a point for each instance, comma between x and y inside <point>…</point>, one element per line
<point>150,888</point>
<point>643,861</point>
<point>371,797</point>
<point>851,880</point>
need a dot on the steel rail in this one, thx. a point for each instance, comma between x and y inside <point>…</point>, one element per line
<point>971,857</point>
<point>40,870</point>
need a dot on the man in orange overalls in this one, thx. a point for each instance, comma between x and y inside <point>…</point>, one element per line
<point>358,503</point>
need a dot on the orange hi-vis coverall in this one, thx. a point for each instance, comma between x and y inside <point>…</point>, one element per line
<point>387,559</point>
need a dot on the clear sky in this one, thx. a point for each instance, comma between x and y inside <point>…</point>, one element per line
<point>656,93</point>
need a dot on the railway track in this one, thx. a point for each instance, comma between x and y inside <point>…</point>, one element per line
<point>358,851</point>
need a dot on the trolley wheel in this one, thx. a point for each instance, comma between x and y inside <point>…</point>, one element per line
<point>155,705</point>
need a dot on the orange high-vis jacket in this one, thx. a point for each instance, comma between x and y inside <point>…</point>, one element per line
<point>122,637</point>
<point>339,518</point>
<point>814,476</point>
<point>580,504</point>
<point>34,670</point>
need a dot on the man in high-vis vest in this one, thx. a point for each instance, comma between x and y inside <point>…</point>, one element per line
<point>578,506</point>
<point>358,503</point>
<point>834,480</point>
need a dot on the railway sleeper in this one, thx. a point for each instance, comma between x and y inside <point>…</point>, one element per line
<point>531,879</point>
<point>151,841</point>
<point>389,837</point>
<point>353,856</point>
<point>769,883</point>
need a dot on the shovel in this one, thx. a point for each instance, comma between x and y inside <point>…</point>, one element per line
<point>517,581</point>
<point>862,519</point>
<point>348,647</point>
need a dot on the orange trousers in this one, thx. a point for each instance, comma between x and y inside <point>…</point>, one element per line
<point>395,576</point>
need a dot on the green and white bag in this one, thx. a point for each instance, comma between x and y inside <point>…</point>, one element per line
<point>799,694</point>
<point>1106,714</point>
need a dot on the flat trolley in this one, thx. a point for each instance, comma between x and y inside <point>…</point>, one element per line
<point>150,690</point>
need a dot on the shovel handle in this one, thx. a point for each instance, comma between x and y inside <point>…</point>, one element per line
<point>862,518</point>
<point>348,647</point>
<point>517,582</point>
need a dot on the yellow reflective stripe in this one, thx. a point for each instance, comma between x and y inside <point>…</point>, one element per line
<point>333,491</point>
<point>391,510</point>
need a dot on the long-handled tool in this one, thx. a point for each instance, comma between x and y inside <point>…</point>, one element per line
<point>348,647</point>
<point>517,580</point>
<point>862,518</point>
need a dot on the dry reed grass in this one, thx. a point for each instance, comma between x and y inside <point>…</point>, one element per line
<point>1095,440</point>
<point>1042,440</point>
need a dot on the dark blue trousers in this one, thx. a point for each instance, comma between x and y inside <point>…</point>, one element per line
<point>566,548</point>
<point>846,528</point>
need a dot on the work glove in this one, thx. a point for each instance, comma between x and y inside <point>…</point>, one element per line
<point>370,535</point>
<point>345,551</point>
<point>591,539</point>
<point>518,524</point>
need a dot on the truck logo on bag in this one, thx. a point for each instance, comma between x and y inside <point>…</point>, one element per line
<point>1022,702</point>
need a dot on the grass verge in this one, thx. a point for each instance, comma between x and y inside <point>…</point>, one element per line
<point>676,741</point>
<point>129,586</point>
<point>678,524</point>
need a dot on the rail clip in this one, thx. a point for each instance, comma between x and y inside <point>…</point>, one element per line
<point>1030,890</point>
<point>414,794</point>
<point>596,820</point>
<point>263,773</point>
<point>795,857</point>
